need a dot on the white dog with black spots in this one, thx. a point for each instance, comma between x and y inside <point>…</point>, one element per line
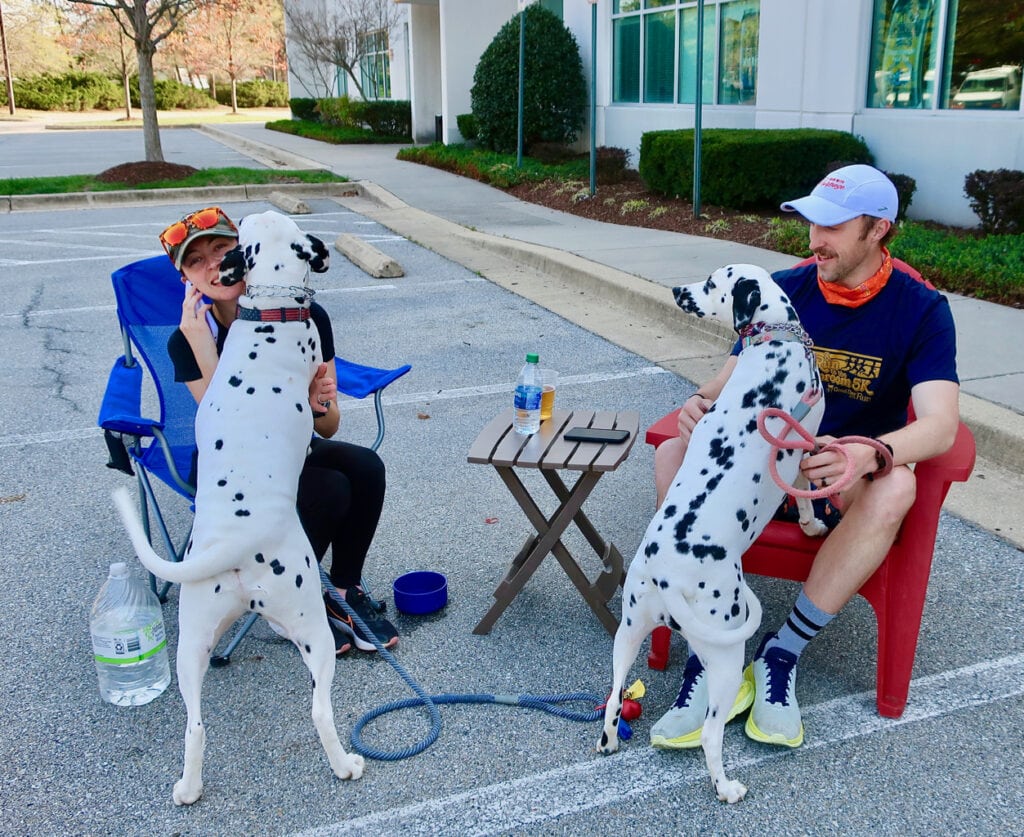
<point>687,573</point>
<point>248,550</point>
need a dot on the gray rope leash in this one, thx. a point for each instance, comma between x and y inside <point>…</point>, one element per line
<point>544,703</point>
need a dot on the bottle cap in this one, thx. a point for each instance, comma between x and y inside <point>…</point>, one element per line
<point>118,569</point>
<point>532,358</point>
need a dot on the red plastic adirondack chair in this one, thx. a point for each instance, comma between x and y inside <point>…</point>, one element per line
<point>897,589</point>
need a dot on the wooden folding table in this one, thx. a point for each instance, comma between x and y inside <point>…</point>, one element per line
<point>500,446</point>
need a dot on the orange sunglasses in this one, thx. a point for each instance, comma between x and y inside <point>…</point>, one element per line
<point>203,219</point>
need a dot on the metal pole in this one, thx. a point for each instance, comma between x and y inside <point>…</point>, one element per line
<point>7,64</point>
<point>593,97</point>
<point>697,105</point>
<point>522,61</point>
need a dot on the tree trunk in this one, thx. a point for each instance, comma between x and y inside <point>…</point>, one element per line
<point>234,95</point>
<point>127,94</point>
<point>147,98</point>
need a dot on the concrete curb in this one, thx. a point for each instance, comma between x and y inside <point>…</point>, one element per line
<point>98,200</point>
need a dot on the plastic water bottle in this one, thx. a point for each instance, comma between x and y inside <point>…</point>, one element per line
<point>527,400</point>
<point>128,642</point>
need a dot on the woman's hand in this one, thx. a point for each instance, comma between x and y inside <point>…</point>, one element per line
<point>323,390</point>
<point>193,318</point>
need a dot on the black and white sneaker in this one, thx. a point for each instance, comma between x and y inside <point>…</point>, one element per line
<point>356,599</point>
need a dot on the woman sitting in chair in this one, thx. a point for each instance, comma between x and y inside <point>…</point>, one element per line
<point>341,488</point>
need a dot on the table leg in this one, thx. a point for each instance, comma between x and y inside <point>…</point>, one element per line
<point>535,549</point>
<point>529,558</point>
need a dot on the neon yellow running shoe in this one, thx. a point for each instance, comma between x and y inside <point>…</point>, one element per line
<point>680,727</point>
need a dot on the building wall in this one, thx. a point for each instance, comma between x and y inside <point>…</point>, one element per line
<point>812,72</point>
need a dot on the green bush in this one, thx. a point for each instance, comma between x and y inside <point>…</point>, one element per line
<point>997,198</point>
<point>610,164</point>
<point>338,112</point>
<point>304,109</point>
<point>387,117</point>
<point>555,91</point>
<point>73,91</point>
<point>745,167</point>
<point>467,126</point>
<point>986,267</point>
<point>171,94</point>
<point>255,93</point>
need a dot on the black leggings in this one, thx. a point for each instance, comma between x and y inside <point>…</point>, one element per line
<point>341,494</point>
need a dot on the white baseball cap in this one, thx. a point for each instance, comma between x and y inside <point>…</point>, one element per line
<point>848,193</point>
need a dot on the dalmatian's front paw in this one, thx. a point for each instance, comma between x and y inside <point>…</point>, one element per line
<point>351,767</point>
<point>814,528</point>
<point>187,791</point>
<point>609,743</point>
<point>729,790</point>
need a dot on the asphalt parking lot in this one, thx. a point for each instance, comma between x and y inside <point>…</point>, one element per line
<point>74,765</point>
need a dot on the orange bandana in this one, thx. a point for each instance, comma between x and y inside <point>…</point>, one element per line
<point>866,291</point>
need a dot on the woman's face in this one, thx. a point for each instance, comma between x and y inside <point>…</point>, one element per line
<point>201,267</point>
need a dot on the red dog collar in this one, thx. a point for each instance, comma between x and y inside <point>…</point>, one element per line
<point>274,315</point>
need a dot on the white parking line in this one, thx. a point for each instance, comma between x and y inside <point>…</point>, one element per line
<point>640,770</point>
<point>348,405</point>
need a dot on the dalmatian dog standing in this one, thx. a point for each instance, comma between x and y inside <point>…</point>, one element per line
<point>687,573</point>
<point>248,551</point>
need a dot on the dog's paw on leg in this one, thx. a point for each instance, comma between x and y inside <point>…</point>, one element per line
<point>729,790</point>
<point>351,767</point>
<point>187,791</point>
<point>608,743</point>
<point>813,528</point>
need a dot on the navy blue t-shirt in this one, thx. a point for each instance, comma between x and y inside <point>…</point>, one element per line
<point>871,356</point>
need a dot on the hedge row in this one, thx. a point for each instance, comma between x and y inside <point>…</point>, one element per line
<point>257,93</point>
<point>745,167</point>
<point>76,91</point>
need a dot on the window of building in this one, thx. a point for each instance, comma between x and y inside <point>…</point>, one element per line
<point>654,45</point>
<point>375,65</point>
<point>956,54</point>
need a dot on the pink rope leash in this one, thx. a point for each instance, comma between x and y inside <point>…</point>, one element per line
<point>807,443</point>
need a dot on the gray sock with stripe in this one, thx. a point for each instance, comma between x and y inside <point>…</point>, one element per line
<point>803,624</point>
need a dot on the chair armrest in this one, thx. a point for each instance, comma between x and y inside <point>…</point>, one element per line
<point>359,381</point>
<point>120,411</point>
<point>667,427</point>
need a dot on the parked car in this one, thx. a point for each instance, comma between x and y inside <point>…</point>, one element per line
<point>997,87</point>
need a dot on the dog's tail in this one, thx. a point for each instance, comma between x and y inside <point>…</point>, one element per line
<point>681,611</point>
<point>173,571</point>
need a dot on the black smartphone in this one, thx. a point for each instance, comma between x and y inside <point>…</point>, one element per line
<point>596,434</point>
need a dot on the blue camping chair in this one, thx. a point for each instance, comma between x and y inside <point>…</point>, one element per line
<point>149,295</point>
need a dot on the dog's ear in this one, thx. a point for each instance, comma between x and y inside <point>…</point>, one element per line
<point>232,266</point>
<point>311,249</point>
<point>685,300</point>
<point>746,299</point>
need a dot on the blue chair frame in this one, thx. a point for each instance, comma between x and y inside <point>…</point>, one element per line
<point>149,294</point>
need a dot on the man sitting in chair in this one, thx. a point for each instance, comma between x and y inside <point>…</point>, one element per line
<point>882,340</point>
<point>341,488</point>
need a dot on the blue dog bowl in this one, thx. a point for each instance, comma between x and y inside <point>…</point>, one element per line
<point>420,592</point>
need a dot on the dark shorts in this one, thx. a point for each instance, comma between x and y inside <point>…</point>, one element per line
<point>823,510</point>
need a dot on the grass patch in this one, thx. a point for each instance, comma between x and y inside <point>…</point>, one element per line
<point>496,169</point>
<point>204,177</point>
<point>332,134</point>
